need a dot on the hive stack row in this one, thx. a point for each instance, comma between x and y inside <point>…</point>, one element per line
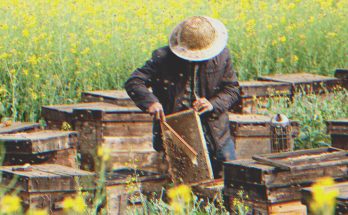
<point>107,123</point>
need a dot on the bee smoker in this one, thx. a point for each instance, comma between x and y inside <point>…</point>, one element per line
<point>280,134</point>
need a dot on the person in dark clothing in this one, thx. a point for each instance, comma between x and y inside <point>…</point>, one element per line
<point>194,71</point>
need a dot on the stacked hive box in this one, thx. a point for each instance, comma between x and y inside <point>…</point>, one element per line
<point>275,180</point>
<point>45,186</point>
<point>338,129</point>
<point>341,198</point>
<point>123,187</point>
<point>38,147</point>
<point>251,134</point>
<point>309,83</point>
<point>117,97</point>
<point>125,131</point>
<point>343,75</point>
<point>255,94</point>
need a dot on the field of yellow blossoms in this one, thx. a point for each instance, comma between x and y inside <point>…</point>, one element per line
<point>51,50</point>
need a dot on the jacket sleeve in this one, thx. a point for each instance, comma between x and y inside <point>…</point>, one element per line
<point>139,82</point>
<point>229,94</point>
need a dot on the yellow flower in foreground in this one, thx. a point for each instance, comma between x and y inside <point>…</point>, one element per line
<point>74,204</point>
<point>104,153</point>
<point>282,39</point>
<point>324,198</point>
<point>10,204</point>
<point>37,212</point>
<point>180,198</point>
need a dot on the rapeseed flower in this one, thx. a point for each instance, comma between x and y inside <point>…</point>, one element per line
<point>180,198</point>
<point>324,198</point>
<point>10,204</point>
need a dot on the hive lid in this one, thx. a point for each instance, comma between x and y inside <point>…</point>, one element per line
<point>47,178</point>
<point>341,73</point>
<point>249,118</point>
<point>110,94</point>
<point>18,127</point>
<point>37,142</point>
<point>250,89</point>
<point>297,78</point>
<point>338,126</point>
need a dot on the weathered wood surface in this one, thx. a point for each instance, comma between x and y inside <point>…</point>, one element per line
<point>38,142</point>
<point>118,97</point>
<point>187,124</point>
<point>124,185</point>
<point>260,90</point>
<point>251,134</point>
<point>343,75</point>
<point>339,126</point>
<point>48,178</point>
<point>211,189</point>
<point>128,143</point>
<point>307,82</point>
<point>15,127</point>
<point>316,163</point>
<point>65,157</point>
<point>341,199</point>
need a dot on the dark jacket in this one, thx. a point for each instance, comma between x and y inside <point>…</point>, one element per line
<point>166,74</point>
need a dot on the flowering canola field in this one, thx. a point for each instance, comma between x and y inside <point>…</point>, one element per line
<point>52,50</point>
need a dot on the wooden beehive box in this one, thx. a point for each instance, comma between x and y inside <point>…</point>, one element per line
<point>341,199</point>
<point>251,134</point>
<point>56,115</point>
<point>305,81</point>
<point>45,146</point>
<point>343,75</point>
<point>255,94</point>
<point>118,97</point>
<point>124,131</point>
<point>210,190</point>
<point>46,185</point>
<point>124,186</point>
<point>338,129</point>
<point>278,178</point>
<point>15,127</point>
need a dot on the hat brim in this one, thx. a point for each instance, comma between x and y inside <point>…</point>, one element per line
<point>214,49</point>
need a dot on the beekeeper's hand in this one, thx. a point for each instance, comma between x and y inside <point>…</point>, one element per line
<point>156,110</point>
<point>202,105</point>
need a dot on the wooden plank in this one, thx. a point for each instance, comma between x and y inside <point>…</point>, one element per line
<point>339,126</point>
<point>130,143</point>
<point>118,97</point>
<point>246,147</point>
<point>270,162</point>
<point>38,142</point>
<point>251,89</point>
<point>187,124</point>
<point>15,127</point>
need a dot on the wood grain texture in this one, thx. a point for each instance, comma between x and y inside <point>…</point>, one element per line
<point>38,141</point>
<point>118,97</point>
<point>187,124</point>
<point>49,178</point>
<point>18,127</point>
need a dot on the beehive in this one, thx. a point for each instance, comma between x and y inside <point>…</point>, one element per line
<point>118,97</point>
<point>278,178</point>
<point>123,187</point>
<point>255,94</point>
<point>15,127</point>
<point>305,81</point>
<point>45,186</point>
<point>56,115</point>
<point>251,134</point>
<point>341,198</point>
<point>338,129</point>
<point>126,132</point>
<point>342,74</point>
<point>42,146</point>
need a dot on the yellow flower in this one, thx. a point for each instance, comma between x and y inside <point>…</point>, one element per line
<point>294,58</point>
<point>25,72</point>
<point>66,126</point>
<point>331,34</point>
<point>10,204</point>
<point>282,39</point>
<point>74,204</point>
<point>324,198</point>
<point>32,60</point>
<point>104,153</point>
<point>37,212</point>
<point>25,33</point>
<point>280,60</point>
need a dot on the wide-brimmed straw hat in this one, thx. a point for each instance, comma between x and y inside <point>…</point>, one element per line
<point>198,38</point>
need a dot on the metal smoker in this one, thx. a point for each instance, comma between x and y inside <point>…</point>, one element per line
<point>280,134</point>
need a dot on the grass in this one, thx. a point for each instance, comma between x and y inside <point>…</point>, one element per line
<point>51,51</point>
